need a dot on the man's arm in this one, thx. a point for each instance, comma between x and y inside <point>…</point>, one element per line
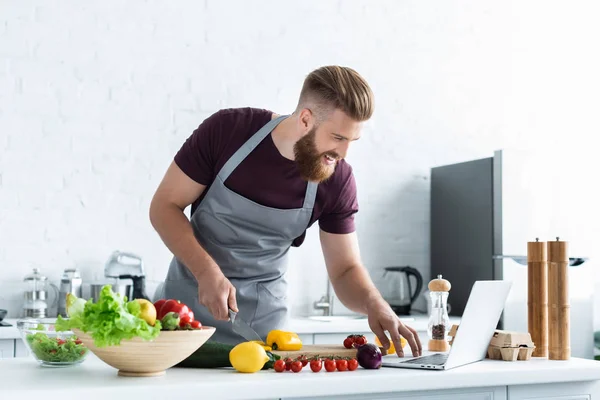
<point>176,192</point>
<point>355,289</point>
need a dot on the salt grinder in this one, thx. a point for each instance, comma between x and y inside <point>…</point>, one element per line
<point>439,322</point>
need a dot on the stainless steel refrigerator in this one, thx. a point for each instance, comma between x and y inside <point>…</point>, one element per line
<point>483,213</point>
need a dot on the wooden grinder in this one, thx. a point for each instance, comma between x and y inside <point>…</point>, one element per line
<point>558,301</point>
<point>439,323</point>
<point>537,296</point>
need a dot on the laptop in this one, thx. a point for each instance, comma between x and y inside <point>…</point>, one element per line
<point>477,326</point>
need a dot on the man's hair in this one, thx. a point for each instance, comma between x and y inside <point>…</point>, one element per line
<point>331,87</point>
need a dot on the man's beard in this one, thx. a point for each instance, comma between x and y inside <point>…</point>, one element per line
<point>310,162</point>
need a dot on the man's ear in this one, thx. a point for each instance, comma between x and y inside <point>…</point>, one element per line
<point>306,120</point>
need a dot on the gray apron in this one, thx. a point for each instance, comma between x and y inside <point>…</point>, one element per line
<point>250,243</point>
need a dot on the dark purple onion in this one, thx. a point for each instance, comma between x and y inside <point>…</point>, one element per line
<point>369,356</point>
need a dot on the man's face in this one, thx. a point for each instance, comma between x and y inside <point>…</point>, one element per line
<point>318,152</point>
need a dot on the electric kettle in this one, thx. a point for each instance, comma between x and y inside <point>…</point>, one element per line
<point>398,291</point>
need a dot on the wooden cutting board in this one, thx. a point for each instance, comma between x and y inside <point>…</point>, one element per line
<point>323,350</point>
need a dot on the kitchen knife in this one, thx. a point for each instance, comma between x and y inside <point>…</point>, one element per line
<point>242,328</point>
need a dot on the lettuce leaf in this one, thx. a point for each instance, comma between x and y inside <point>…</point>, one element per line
<point>111,319</point>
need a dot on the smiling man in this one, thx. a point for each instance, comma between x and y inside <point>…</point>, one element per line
<point>256,181</point>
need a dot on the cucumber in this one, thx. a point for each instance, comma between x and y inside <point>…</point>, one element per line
<point>210,355</point>
<point>216,355</point>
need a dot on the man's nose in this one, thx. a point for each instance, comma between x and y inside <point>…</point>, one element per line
<point>342,150</point>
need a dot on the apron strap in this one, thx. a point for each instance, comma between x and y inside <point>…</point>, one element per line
<point>311,194</point>
<point>239,156</point>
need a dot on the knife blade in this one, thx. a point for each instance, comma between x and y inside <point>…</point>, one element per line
<point>242,328</point>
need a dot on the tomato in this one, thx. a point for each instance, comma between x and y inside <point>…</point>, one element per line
<point>195,324</point>
<point>359,340</point>
<point>186,319</point>
<point>279,366</point>
<point>60,342</point>
<point>288,363</point>
<point>158,305</point>
<point>316,365</point>
<point>329,365</point>
<point>342,365</point>
<point>296,366</point>
<point>78,341</point>
<point>348,342</point>
<point>352,364</point>
<point>303,359</point>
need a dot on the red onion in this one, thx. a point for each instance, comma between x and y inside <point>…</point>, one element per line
<point>369,356</point>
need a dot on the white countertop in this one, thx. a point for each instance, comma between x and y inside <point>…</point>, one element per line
<point>300,325</point>
<point>95,380</point>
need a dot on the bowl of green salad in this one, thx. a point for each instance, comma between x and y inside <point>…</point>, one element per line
<point>49,347</point>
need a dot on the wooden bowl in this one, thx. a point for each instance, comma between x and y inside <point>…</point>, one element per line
<point>138,357</point>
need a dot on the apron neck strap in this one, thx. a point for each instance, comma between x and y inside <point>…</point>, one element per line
<point>239,156</point>
<point>311,194</point>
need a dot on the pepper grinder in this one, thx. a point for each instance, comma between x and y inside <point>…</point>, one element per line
<point>439,322</point>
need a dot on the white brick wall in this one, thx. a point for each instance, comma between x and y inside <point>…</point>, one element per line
<point>96,97</point>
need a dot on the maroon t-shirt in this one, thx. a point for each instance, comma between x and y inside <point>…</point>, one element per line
<point>265,176</point>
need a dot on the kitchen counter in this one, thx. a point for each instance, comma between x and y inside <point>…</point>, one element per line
<point>93,379</point>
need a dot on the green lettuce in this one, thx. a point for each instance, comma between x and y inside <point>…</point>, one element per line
<point>111,319</point>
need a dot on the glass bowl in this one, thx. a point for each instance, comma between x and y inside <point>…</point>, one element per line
<point>51,348</point>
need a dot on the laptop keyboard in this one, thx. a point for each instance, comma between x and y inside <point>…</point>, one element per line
<point>434,359</point>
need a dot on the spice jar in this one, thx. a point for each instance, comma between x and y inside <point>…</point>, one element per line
<point>439,322</point>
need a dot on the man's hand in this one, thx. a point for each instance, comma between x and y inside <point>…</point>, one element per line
<point>382,318</point>
<point>217,294</point>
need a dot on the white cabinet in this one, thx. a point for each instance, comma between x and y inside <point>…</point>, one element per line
<point>306,338</point>
<point>492,393</point>
<point>557,391</point>
<point>7,348</point>
<point>20,348</point>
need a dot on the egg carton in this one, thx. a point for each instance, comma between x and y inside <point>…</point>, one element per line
<point>510,353</point>
<point>510,346</point>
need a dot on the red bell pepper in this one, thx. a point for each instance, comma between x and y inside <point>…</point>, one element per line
<point>158,306</point>
<point>186,316</point>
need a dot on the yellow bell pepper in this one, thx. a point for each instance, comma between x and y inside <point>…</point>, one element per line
<point>285,341</point>
<point>263,344</point>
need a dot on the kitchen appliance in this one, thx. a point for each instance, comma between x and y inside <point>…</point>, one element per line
<point>485,211</point>
<point>124,265</point>
<point>69,283</point>
<point>398,290</point>
<point>36,292</point>
<point>122,288</point>
<point>2,315</point>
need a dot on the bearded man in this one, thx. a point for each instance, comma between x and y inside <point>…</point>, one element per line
<point>256,181</point>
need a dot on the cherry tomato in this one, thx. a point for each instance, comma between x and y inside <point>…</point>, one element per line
<point>342,365</point>
<point>352,364</point>
<point>297,366</point>
<point>303,360</point>
<point>316,365</point>
<point>288,364</point>
<point>78,341</point>
<point>348,342</point>
<point>329,365</point>
<point>279,366</point>
<point>195,324</point>
<point>359,340</point>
